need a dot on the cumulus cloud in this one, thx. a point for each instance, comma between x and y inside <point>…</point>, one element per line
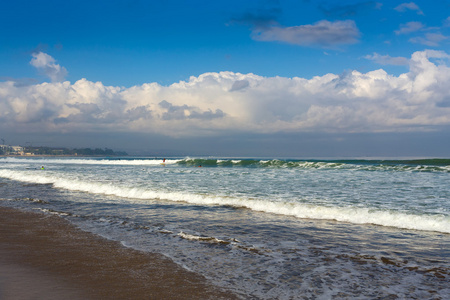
<point>323,33</point>
<point>388,60</point>
<point>409,6</point>
<point>215,103</point>
<point>47,65</point>
<point>239,85</point>
<point>183,112</point>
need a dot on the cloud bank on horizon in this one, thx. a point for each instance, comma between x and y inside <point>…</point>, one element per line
<point>417,100</point>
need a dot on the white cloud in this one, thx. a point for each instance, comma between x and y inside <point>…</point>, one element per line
<point>47,64</point>
<point>411,6</point>
<point>323,33</point>
<point>430,39</point>
<point>388,60</point>
<point>215,103</point>
<point>409,28</point>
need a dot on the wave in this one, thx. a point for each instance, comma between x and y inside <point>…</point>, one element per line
<point>419,165</point>
<point>229,241</point>
<point>355,215</point>
<point>207,239</point>
<point>425,165</point>
<point>87,161</point>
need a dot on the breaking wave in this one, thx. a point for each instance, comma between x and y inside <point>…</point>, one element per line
<point>419,165</point>
<point>424,165</point>
<point>92,161</point>
<point>355,215</point>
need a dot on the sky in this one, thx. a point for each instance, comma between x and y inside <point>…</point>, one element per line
<point>297,78</point>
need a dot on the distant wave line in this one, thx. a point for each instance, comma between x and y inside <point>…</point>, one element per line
<point>104,161</point>
<point>422,165</point>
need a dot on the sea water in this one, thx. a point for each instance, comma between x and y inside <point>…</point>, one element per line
<point>263,228</point>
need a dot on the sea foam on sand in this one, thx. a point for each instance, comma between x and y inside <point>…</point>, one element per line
<point>44,257</point>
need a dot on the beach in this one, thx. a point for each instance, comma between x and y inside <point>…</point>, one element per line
<point>44,257</point>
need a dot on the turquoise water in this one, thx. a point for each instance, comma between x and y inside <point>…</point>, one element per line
<point>264,228</point>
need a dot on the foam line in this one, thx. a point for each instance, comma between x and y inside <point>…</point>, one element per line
<point>428,222</point>
<point>119,162</point>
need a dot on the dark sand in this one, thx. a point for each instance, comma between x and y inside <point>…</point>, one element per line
<point>44,257</point>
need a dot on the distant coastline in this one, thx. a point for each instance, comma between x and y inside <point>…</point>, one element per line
<point>19,151</point>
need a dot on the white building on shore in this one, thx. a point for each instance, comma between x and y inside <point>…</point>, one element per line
<point>11,150</point>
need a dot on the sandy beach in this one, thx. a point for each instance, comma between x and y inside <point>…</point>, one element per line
<point>44,257</point>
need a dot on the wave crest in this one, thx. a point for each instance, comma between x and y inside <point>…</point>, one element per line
<point>355,215</point>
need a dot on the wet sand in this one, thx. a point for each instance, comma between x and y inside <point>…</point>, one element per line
<point>44,257</point>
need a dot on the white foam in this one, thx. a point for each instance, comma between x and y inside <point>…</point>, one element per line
<point>208,239</point>
<point>74,161</point>
<point>356,215</point>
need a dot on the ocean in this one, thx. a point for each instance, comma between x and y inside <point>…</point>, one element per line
<point>261,228</point>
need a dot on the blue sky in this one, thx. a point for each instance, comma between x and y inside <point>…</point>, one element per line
<point>203,71</point>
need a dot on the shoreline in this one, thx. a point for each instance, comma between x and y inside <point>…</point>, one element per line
<point>44,256</point>
<point>63,155</point>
